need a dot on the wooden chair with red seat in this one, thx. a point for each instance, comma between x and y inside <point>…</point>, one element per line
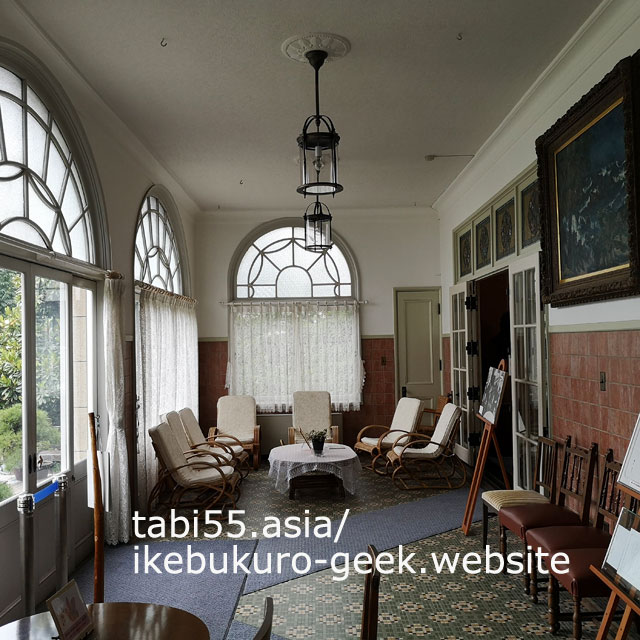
<point>576,480</point>
<point>584,546</point>
<point>558,538</point>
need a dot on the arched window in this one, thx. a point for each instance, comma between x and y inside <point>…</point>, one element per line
<point>294,323</point>
<point>48,190</point>
<point>157,256</point>
<point>276,265</point>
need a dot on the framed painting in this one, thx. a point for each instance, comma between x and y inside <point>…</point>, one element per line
<point>589,194</point>
<point>506,229</point>
<point>483,243</point>
<point>464,253</point>
<point>529,215</point>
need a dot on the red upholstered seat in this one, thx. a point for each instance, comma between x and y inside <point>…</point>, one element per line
<point>533,516</point>
<point>580,581</point>
<point>552,539</point>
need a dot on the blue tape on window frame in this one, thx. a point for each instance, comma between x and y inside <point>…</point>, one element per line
<point>46,492</point>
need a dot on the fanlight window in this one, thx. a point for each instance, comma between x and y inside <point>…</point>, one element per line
<point>276,265</point>
<point>42,198</point>
<point>157,257</point>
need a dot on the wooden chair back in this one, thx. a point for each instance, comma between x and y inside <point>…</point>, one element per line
<point>610,497</point>
<point>98,517</point>
<point>546,467</point>
<point>576,478</point>
<point>264,632</point>
<point>369,630</point>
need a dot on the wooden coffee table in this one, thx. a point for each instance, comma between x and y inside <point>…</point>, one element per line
<point>296,466</point>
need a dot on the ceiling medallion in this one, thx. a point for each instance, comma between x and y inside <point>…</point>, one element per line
<point>297,47</point>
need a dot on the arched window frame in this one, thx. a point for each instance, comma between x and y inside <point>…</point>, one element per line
<point>163,195</point>
<point>266,227</point>
<point>24,64</point>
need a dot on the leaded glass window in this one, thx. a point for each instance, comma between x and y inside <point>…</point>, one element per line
<point>276,265</point>
<point>157,259</point>
<point>42,199</point>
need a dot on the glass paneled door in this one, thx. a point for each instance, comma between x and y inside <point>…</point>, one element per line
<point>47,385</point>
<point>526,366</point>
<point>464,365</point>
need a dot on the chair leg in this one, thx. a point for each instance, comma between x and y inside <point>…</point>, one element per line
<point>503,546</point>
<point>485,525</point>
<point>527,575</point>
<point>256,458</point>
<point>552,592</point>
<point>533,579</point>
<point>577,623</point>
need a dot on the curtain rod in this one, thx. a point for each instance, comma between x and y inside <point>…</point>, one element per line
<point>164,292</point>
<point>251,301</point>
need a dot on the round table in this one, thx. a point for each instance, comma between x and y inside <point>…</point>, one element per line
<point>296,465</point>
<point>122,620</point>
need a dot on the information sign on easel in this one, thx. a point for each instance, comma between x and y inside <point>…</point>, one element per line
<point>489,411</point>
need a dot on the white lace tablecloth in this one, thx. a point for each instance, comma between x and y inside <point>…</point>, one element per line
<point>293,460</point>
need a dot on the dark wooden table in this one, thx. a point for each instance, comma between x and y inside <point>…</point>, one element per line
<point>121,620</point>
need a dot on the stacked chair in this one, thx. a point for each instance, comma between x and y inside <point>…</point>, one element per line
<point>312,411</point>
<point>376,439</point>
<point>191,480</point>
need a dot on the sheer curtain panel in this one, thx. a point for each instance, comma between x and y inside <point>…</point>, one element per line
<point>278,348</point>
<point>118,519</point>
<point>167,371</point>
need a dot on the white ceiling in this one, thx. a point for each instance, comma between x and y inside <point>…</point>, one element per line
<point>221,104</point>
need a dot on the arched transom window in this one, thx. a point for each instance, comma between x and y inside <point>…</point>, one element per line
<point>276,265</point>
<point>42,198</point>
<point>157,259</point>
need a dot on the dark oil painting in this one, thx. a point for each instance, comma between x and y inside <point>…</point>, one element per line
<point>593,228</point>
<point>483,243</point>
<point>530,207</point>
<point>505,229</point>
<point>464,257</point>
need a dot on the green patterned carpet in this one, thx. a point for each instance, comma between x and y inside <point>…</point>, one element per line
<point>411,606</point>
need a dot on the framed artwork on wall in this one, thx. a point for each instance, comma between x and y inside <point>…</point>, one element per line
<point>530,215</point>
<point>506,229</point>
<point>483,242</point>
<point>464,254</point>
<point>589,194</point>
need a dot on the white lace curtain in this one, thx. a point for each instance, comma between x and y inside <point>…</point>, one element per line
<point>278,348</point>
<point>118,519</point>
<point>167,371</point>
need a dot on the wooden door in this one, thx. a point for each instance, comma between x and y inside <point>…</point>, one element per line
<point>418,345</point>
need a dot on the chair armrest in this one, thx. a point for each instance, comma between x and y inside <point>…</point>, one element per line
<point>226,436</point>
<point>371,426</point>
<point>433,411</point>
<point>212,432</point>
<point>196,453</point>
<point>400,431</point>
<point>335,434</point>
<point>409,435</point>
<point>427,441</point>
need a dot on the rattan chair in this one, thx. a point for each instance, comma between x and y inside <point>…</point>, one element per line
<point>416,461</point>
<point>196,484</point>
<point>237,425</point>
<point>312,412</point>
<point>377,439</point>
<point>197,440</point>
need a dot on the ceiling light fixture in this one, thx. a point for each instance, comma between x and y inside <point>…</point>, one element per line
<point>317,227</point>
<point>318,144</point>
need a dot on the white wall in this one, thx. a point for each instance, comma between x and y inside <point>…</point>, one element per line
<point>611,33</point>
<point>392,248</point>
<point>125,168</point>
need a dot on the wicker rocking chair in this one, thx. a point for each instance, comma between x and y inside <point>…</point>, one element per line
<point>197,440</point>
<point>196,484</point>
<point>419,462</point>
<point>376,439</point>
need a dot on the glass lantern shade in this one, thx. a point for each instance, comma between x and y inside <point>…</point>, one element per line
<point>319,157</point>
<point>317,228</point>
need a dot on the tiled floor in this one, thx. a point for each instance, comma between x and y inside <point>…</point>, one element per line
<point>411,606</point>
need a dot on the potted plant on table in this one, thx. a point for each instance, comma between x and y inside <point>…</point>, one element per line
<point>317,440</point>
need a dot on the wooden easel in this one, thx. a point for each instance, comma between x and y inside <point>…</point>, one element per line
<point>488,437</point>
<point>618,593</point>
